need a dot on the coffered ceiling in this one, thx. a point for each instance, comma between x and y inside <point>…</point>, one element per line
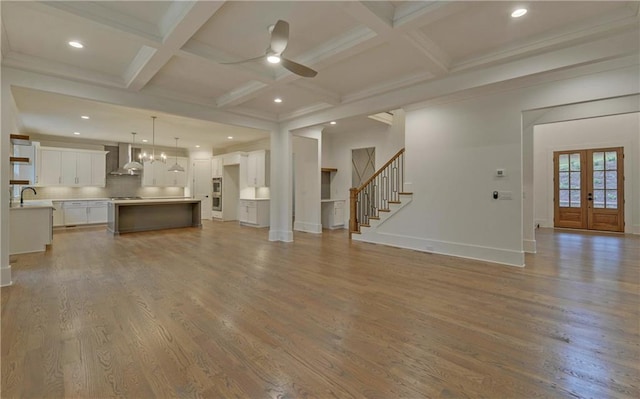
<point>178,50</point>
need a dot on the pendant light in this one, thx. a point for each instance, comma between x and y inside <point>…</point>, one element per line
<point>176,167</point>
<point>133,164</point>
<point>151,158</point>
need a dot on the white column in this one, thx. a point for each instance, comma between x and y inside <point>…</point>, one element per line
<point>307,148</point>
<point>5,167</point>
<point>281,219</point>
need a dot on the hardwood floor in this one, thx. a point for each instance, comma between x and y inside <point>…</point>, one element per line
<point>220,312</point>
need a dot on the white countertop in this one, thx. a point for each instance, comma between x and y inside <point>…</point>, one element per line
<point>331,200</point>
<point>154,201</point>
<point>255,199</point>
<point>31,204</point>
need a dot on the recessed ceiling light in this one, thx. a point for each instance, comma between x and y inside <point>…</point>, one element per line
<point>519,12</point>
<point>76,44</point>
<point>277,100</point>
<point>333,122</point>
<point>230,137</point>
<point>145,140</point>
<point>84,117</point>
<point>197,145</point>
<point>274,59</point>
<point>76,133</point>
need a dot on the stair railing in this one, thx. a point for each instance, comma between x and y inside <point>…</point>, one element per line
<point>375,195</point>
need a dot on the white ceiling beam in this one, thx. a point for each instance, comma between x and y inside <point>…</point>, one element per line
<point>618,52</point>
<point>40,65</point>
<point>376,18</point>
<point>344,46</point>
<point>95,12</point>
<point>185,23</point>
<point>127,98</point>
<point>328,96</point>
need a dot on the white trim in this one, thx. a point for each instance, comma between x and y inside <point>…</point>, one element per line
<point>5,276</point>
<point>635,229</point>
<point>529,246</point>
<point>307,227</point>
<point>467,251</point>
<point>285,236</point>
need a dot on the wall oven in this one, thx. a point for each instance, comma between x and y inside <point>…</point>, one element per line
<point>216,203</point>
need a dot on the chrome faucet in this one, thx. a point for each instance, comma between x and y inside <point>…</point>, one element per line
<point>22,193</point>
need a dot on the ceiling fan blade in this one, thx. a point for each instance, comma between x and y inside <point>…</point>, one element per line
<point>280,36</point>
<point>298,69</point>
<point>243,61</point>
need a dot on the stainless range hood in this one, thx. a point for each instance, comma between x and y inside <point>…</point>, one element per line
<point>124,154</point>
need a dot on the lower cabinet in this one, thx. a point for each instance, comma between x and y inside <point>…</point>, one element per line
<point>75,213</point>
<point>333,214</point>
<point>58,213</point>
<point>254,212</point>
<point>83,212</point>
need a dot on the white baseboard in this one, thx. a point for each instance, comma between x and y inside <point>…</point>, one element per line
<point>487,254</point>
<point>635,229</point>
<point>5,276</point>
<point>278,235</point>
<point>529,246</point>
<point>307,227</point>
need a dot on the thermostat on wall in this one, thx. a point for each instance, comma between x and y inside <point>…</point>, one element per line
<point>501,172</point>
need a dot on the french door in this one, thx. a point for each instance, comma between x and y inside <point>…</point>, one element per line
<point>589,189</point>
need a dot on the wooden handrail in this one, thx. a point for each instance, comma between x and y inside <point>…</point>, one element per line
<point>375,195</point>
<point>393,158</point>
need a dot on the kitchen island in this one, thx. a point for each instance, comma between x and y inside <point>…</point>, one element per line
<point>127,216</point>
<point>30,226</point>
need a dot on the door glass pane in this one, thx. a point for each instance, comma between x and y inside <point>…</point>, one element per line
<point>575,180</point>
<point>598,179</point>
<point>564,198</point>
<point>575,162</point>
<point>612,160</point>
<point>564,179</point>
<point>612,179</point>
<point>598,198</point>
<point>563,162</point>
<point>612,199</point>
<point>598,161</point>
<point>575,198</point>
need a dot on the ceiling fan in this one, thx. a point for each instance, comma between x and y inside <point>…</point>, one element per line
<point>273,54</point>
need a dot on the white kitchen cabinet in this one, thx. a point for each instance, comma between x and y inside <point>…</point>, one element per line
<point>75,213</point>
<point>69,167</point>
<point>333,214</point>
<point>254,212</point>
<point>258,168</point>
<point>58,213</point>
<point>156,174</point>
<point>177,179</point>
<point>50,168</point>
<point>216,167</point>
<point>96,212</point>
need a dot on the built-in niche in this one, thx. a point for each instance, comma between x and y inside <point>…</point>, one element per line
<point>363,165</point>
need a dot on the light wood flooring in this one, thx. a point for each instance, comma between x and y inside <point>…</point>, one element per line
<point>220,312</point>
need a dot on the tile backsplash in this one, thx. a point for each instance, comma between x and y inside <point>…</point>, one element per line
<point>117,186</point>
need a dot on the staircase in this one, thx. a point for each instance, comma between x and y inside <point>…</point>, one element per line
<point>378,198</point>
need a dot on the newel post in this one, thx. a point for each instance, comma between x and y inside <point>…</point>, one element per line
<point>353,219</point>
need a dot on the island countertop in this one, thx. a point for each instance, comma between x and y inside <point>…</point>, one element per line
<point>142,201</point>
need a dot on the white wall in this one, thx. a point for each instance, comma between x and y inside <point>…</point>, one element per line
<point>452,153</point>
<point>336,152</point>
<point>307,184</point>
<point>610,131</point>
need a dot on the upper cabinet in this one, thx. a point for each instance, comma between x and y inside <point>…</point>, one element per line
<point>216,166</point>
<point>258,168</point>
<point>71,167</point>
<point>156,174</point>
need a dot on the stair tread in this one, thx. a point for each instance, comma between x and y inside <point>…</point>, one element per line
<point>395,202</point>
<point>384,210</point>
<point>405,193</point>
<point>374,217</point>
